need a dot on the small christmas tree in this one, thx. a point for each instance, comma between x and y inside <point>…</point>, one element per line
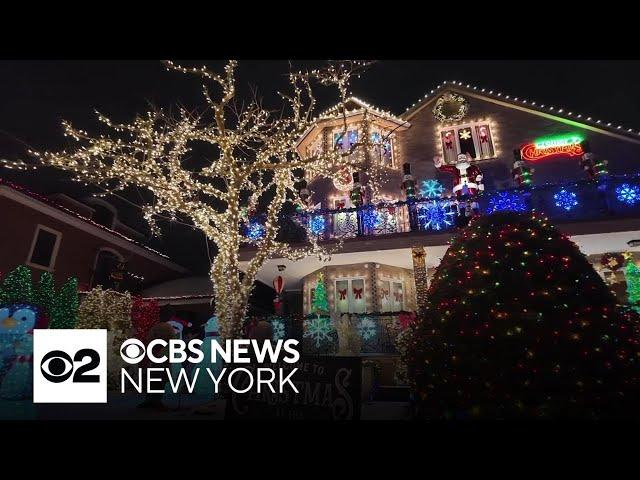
<point>17,287</point>
<point>45,293</point>
<point>320,302</point>
<point>519,325</point>
<point>65,306</point>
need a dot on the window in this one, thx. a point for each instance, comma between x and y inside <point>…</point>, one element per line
<point>472,138</point>
<point>383,150</point>
<point>391,296</point>
<point>44,248</point>
<point>349,295</point>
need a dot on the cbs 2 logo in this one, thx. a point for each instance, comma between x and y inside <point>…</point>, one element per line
<point>57,366</point>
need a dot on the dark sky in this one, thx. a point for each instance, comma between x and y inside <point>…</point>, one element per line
<point>36,95</point>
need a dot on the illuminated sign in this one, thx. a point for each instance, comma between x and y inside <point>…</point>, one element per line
<point>566,145</point>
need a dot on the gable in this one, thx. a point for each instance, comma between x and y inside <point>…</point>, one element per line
<point>512,126</point>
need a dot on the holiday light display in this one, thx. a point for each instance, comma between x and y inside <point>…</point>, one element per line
<point>566,199</point>
<point>255,231</point>
<point>507,201</point>
<point>257,156</point>
<point>317,224</point>
<point>17,286</point>
<point>319,329</point>
<point>519,324</point>
<point>277,328</point>
<point>320,302</point>
<point>435,215</point>
<point>64,311</point>
<point>431,188</point>
<point>632,277</point>
<point>367,328</point>
<point>628,194</point>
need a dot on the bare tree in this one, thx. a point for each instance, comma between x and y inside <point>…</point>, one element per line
<point>255,157</point>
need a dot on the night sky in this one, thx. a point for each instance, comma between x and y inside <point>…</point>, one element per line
<point>36,95</point>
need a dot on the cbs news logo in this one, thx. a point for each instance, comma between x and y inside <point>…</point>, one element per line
<point>69,366</point>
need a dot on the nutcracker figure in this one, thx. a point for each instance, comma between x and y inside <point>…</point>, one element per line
<point>521,172</point>
<point>592,167</point>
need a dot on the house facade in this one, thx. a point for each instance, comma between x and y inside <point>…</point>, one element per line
<point>70,238</point>
<point>459,151</point>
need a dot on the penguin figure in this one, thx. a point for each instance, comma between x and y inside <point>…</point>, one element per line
<point>204,385</point>
<point>16,343</point>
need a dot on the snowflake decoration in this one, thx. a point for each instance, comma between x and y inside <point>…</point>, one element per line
<point>367,328</point>
<point>435,215</point>
<point>628,194</point>
<point>465,134</point>
<point>318,329</point>
<point>507,201</point>
<point>370,218</point>
<point>431,189</point>
<point>255,231</point>
<point>566,199</point>
<point>277,326</point>
<point>317,224</point>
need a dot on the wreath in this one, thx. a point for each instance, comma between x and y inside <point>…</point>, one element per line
<point>451,107</point>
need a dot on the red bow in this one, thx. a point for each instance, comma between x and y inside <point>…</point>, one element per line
<point>343,294</point>
<point>448,144</point>
<point>340,205</point>
<point>385,293</point>
<point>357,293</point>
<point>398,296</point>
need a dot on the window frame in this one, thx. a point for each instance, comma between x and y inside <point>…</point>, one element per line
<point>350,298</point>
<point>54,252</point>
<point>473,126</point>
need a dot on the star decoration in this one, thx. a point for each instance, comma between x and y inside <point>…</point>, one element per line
<point>465,134</point>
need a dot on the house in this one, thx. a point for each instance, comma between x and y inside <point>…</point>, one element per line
<point>85,240</point>
<point>501,151</point>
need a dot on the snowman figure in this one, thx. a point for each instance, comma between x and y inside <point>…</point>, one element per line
<point>178,325</point>
<point>467,182</point>
<point>16,333</point>
<point>205,385</point>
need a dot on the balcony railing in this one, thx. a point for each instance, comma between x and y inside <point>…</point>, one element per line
<point>610,197</point>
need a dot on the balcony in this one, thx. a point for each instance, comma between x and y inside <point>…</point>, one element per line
<point>614,198</point>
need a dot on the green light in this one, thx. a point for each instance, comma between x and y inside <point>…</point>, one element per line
<point>557,141</point>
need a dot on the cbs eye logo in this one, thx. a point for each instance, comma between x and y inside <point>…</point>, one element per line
<point>70,366</point>
<point>132,351</point>
<point>57,366</point>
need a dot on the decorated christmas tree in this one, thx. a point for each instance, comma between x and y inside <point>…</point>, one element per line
<point>519,325</point>
<point>17,287</point>
<point>320,302</point>
<point>65,306</point>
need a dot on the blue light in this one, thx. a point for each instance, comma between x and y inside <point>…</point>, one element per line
<point>507,201</point>
<point>317,224</point>
<point>370,218</point>
<point>431,189</point>
<point>255,231</point>
<point>628,194</point>
<point>566,199</point>
<point>435,215</point>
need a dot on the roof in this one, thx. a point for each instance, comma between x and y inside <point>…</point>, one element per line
<point>155,254</point>
<point>557,113</point>
<point>358,106</point>
<point>353,107</point>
